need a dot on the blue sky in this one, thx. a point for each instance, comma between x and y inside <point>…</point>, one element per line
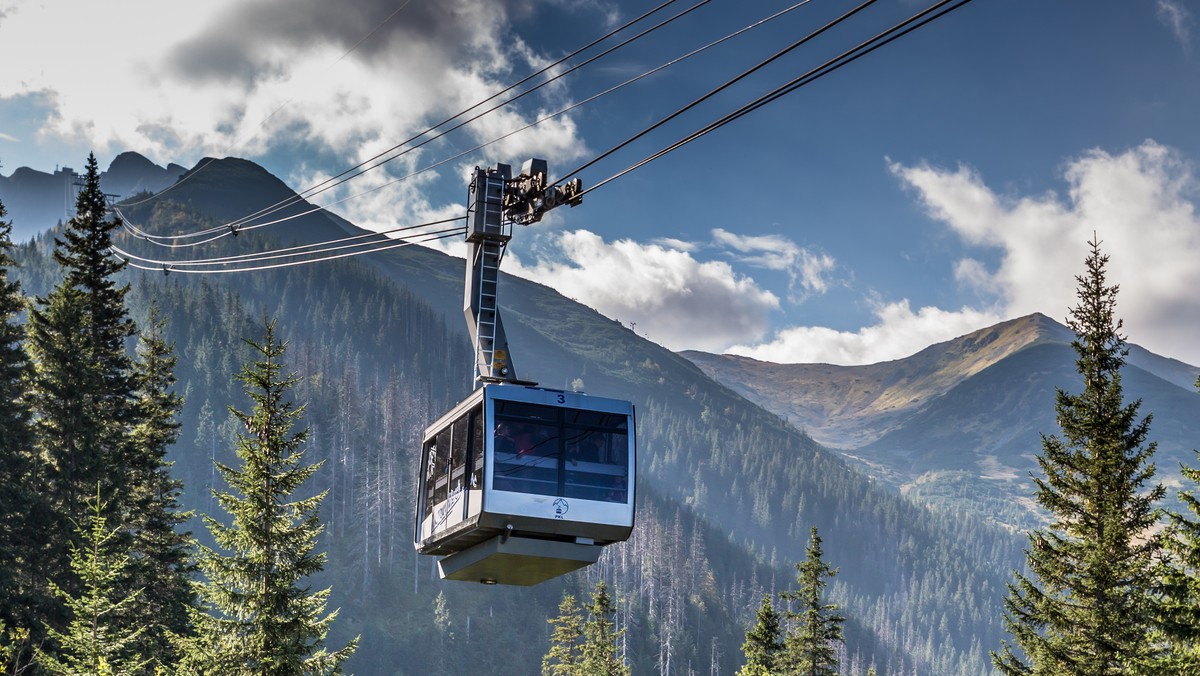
<point>947,181</point>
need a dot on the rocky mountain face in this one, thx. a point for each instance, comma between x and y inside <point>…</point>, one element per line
<point>961,422</point>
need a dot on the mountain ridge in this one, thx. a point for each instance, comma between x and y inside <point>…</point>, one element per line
<point>705,450</point>
<point>37,200</point>
<point>961,422</point>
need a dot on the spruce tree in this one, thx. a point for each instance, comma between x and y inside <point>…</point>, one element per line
<point>599,655</point>
<point>764,641</point>
<point>443,623</point>
<point>96,641</point>
<point>810,648</point>
<point>566,640</point>
<point>1179,604</point>
<point>162,567</point>
<point>22,513</point>
<point>1085,607</point>
<point>257,617</point>
<point>82,387</point>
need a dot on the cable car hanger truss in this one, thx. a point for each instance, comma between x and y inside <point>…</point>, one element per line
<point>495,201</point>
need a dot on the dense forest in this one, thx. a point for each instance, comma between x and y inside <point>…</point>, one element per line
<point>728,493</point>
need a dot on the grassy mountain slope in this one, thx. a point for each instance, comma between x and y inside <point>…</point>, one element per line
<point>851,406</point>
<point>960,423</point>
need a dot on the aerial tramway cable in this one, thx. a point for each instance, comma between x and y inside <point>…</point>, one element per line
<point>918,20</point>
<point>270,115</point>
<point>230,229</point>
<point>897,31</point>
<point>315,247</point>
<point>338,179</point>
<point>176,266</point>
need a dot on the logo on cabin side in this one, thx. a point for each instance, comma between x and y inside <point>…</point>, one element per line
<point>442,513</point>
<point>561,507</point>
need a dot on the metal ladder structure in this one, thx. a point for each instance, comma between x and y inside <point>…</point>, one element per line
<point>488,233</point>
<point>495,201</point>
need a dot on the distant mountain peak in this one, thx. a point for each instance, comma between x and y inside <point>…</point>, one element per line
<point>230,189</point>
<point>130,160</point>
<point>849,406</point>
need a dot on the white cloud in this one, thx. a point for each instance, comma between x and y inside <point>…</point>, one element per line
<point>675,299</point>
<point>1139,204</point>
<point>9,137</point>
<point>807,271</point>
<point>248,78</point>
<point>898,332</point>
<point>1178,20</point>
<point>673,243</point>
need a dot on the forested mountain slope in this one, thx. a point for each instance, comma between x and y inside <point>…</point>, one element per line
<point>727,490</point>
<point>960,423</point>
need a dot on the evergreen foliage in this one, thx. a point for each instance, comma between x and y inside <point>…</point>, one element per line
<point>599,654</point>
<point>97,640</point>
<point>566,640</point>
<point>82,388</point>
<point>16,652</point>
<point>22,514</point>
<point>257,618</point>
<point>764,641</point>
<point>1179,605</point>
<point>162,567</point>
<point>719,478</point>
<point>445,652</point>
<point>1085,608</point>
<point>810,648</point>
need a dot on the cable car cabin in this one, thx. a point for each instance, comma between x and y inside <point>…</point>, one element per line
<point>519,484</point>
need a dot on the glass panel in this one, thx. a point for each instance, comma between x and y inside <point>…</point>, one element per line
<point>560,451</point>
<point>458,455</point>
<point>439,462</point>
<point>528,448</point>
<point>597,465</point>
<point>477,447</point>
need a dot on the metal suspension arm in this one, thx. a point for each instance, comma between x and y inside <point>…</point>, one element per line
<point>494,202</point>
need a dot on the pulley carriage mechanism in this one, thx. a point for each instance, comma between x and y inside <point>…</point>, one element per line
<point>519,484</point>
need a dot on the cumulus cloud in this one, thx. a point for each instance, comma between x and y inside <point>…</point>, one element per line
<point>1139,204</point>
<point>675,299</point>
<point>334,83</point>
<point>807,271</point>
<point>247,39</point>
<point>898,332</point>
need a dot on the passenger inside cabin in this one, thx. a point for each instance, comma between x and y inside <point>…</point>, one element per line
<point>504,442</point>
<point>588,449</point>
<point>514,437</point>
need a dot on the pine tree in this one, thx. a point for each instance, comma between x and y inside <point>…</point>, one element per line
<point>1179,605</point>
<point>1085,608</point>
<point>82,387</point>
<point>811,647</point>
<point>764,641</point>
<point>566,640</point>
<point>257,618</point>
<point>96,641</point>
<point>22,513</point>
<point>600,641</point>
<point>161,567</point>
